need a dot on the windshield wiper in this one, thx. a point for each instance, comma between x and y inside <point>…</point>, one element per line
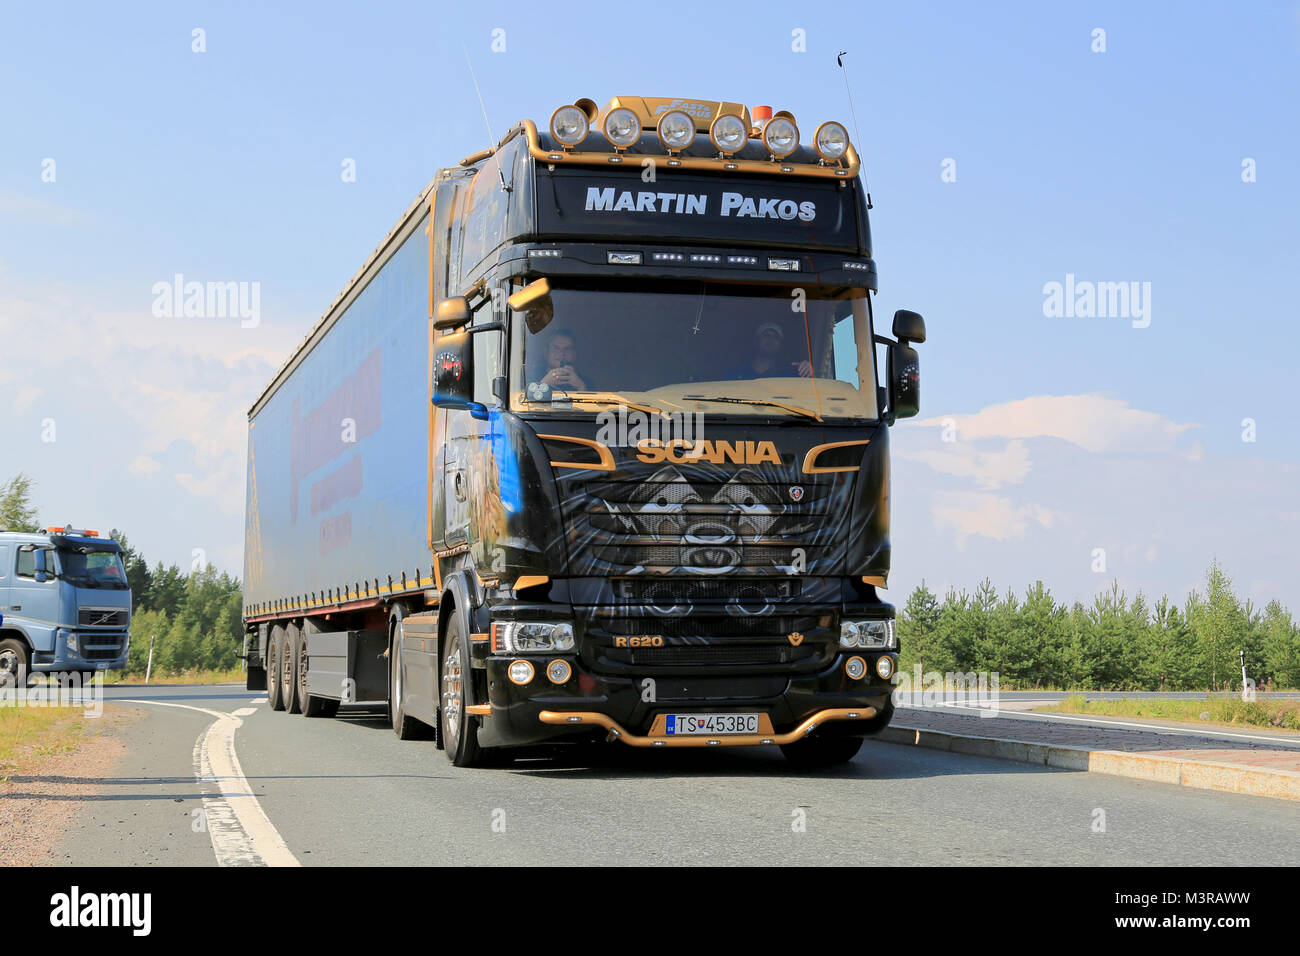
<point>759,401</point>
<point>608,398</point>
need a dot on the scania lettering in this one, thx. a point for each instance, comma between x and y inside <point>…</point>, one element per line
<point>445,520</point>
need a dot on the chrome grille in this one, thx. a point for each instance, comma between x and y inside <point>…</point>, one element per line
<point>102,617</point>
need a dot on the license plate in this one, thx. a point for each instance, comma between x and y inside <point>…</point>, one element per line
<point>688,725</point>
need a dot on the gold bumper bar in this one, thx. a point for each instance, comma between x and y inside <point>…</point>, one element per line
<point>616,732</point>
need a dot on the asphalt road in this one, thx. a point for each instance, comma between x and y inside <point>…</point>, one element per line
<point>345,791</point>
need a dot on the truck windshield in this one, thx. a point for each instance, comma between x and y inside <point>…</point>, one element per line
<point>87,568</point>
<point>781,351</point>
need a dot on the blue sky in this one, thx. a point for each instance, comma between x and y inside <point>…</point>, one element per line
<point>1072,434</point>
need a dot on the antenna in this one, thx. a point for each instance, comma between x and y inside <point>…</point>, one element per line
<point>857,133</point>
<point>486,122</point>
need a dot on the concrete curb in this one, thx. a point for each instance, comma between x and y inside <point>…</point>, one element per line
<point>1201,774</point>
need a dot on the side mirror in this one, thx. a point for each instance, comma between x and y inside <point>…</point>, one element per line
<point>909,326</point>
<point>40,562</point>
<point>534,300</point>
<point>453,373</point>
<point>451,313</point>
<point>904,370</point>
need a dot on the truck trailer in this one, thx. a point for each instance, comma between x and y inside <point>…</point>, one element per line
<point>594,448</point>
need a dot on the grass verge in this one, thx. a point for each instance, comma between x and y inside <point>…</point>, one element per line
<point>1283,714</point>
<point>27,732</point>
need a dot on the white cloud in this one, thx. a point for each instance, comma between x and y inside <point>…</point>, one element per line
<point>1096,422</point>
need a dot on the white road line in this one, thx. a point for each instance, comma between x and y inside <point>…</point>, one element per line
<point>258,700</point>
<point>1101,721</point>
<point>241,832</point>
<point>244,712</point>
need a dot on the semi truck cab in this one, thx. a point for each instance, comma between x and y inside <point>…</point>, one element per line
<point>65,604</point>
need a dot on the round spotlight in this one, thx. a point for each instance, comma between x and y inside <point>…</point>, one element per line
<point>728,134</point>
<point>676,131</point>
<point>781,137</point>
<point>885,667</point>
<point>622,128</point>
<point>520,672</point>
<point>856,668</point>
<point>558,672</point>
<point>569,126</point>
<point>831,141</point>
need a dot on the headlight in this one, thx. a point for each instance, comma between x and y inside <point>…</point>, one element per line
<point>728,133</point>
<point>522,637</point>
<point>72,645</point>
<point>831,140</point>
<point>622,128</point>
<point>874,635</point>
<point>781,137</point>
<point>569,125</point>
<point>676,131</point>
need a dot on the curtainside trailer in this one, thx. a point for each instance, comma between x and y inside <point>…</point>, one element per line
<point>594,447</point>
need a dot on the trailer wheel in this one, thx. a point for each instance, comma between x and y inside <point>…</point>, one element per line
<point>813,752</point>
<point>310,706</point>
<point>13,663</point>
<point>289,670</point>
<point>274,655</point>
<point>406,728</point>
<point>456,728</point>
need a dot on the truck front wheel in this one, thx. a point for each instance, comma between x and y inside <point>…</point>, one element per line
<point>13,663</point>
<point>456,728</point>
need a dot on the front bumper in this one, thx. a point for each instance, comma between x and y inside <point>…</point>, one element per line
<point>84,651</point>
<point>599,706</point>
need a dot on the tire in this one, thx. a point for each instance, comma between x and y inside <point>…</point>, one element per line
<point>406,728</point>
<point>456,729</point>
<point>289,670</point>
<point>813,752</point>
<point>274,655</point>
<point>13,664</point>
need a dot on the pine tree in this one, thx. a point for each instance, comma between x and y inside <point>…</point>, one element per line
<point>17,513</point>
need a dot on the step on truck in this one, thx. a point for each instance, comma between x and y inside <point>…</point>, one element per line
<point>65,604</point>
<point>594,448</point>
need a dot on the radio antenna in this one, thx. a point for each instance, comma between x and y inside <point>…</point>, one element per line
<point>486,122</point>
<point>857,133</point>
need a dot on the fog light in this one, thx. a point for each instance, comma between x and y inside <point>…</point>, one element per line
<point>622,127</point>
<point>856,668</point>
<point>781,137</point>
<point>520,672</point>
<point>676,131</point>
<point>831,141</point>
<point>728,133</point>
<point>885,667</point>
<point>569,126</point>
<point>558,672</point>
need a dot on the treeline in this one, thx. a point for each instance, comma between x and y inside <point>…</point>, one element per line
<point>193,620</point>
<point>1114,643</point>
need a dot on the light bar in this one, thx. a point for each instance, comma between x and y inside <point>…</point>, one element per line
<point>783,265</point>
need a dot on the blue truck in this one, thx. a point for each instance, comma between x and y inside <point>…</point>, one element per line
<point>65,604</point>
<point>594,447</point>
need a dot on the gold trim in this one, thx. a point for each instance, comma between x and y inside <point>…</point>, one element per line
<point>530,581</point>
<point>606,456</point>
<point>865,669</point>
<point>846,170</point>
<point>479,710</point>
<point>815,450</point>
<point>727,740</point>
<point>480,638</point>
<point>876,580</point>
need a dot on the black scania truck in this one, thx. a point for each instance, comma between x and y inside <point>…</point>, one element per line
<point>594,447</point>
